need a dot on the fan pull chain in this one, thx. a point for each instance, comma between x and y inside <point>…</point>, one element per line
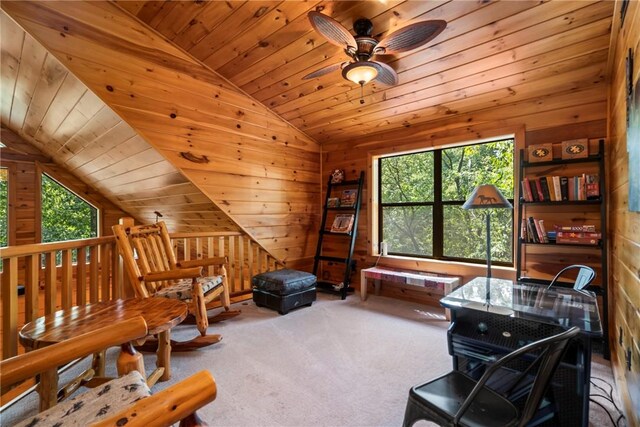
<point>361,92</point>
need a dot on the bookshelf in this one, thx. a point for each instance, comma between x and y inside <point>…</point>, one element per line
<point>539,259</point>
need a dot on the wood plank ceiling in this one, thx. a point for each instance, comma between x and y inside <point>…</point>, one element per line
<point>491,55</point>
<point>49,107</point>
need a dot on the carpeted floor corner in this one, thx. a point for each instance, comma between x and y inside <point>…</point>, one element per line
<point>337,363</point>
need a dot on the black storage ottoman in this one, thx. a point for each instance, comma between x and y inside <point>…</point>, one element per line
<point>283,290</point>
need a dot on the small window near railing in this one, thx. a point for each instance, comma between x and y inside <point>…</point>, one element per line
<point>65,215</point>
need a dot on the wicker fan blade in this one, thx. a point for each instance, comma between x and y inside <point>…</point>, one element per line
<point>386,74</point>
<point>325,70</point>
<point>332,30</point>
<point>410,37</point>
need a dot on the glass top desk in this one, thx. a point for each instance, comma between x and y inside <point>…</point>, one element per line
<point>491,317</point>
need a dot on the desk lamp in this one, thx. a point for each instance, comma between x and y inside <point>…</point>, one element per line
<point>487,196</point>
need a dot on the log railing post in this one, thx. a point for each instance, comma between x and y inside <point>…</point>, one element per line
<point>9,307</point>
<point>81,276</point>
<point>67,273</point>
<point>127,286</point>
<point>32,287</point>
<point>50,291</point>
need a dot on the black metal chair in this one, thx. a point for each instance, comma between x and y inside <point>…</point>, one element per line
<point>583,279</point>
<point>455,399</point>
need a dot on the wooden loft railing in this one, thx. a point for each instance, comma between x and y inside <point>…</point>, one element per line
<point>63,285</point>
<point>51,286</point>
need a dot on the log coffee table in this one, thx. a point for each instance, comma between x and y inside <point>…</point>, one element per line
<point>161,314</point>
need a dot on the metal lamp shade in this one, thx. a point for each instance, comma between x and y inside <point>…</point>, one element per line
<point>486,196</point>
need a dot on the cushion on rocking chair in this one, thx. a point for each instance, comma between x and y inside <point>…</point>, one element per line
<point>182,289</point>
<point>94,405</point>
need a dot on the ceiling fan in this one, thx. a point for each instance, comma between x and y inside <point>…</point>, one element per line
<point>361,48</point>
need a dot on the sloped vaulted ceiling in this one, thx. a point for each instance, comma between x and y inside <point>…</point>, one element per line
<point>257,168</point>
<point>51,109</point>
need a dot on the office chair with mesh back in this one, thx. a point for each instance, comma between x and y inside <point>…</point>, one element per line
<point>455,399</point>
<point>584,278</point>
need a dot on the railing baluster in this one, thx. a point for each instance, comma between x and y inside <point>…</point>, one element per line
<point>81,276</point>
<point>241,261</point>
<point>250,261</point>
<point>50,292</point>
<point>67,273</point>
<point>232,264</point>
<point>105,256</point>
<point>9,307</point>
<point>199,248</point>
<point>116,273</point>
<point>94,264</point>
<point>187,249</point>
<point>210,254</point>
<point>32,287</point>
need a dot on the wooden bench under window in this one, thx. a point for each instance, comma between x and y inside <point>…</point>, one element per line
<point>408,278</point>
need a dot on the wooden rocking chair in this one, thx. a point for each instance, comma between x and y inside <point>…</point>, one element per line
<point>155,273</point>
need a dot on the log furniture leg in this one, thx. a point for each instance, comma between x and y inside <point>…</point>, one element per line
<point>98,363</point>
<point>130,360</point>
<point>164,354</point>
<point>48,389</point>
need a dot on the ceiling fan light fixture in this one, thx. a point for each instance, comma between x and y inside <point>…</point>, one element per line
<point>360,73</point>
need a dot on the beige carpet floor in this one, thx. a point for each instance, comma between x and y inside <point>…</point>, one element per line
<point>337,363</point>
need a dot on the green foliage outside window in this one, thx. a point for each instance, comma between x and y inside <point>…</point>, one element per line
<point>65,216</point>
<point>411,205</point>
<point>4,207</point>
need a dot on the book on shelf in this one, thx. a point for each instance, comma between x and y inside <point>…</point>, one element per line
<point>545,188</point>
<point>578,237</point>
<point>564,188</point>
<point>333,202</point>
<point>560,188</point>
<point>588,228</point>
<point>348,198</point>
<point>532,230</point>
<point>342,223</point>
<point>592,186</point>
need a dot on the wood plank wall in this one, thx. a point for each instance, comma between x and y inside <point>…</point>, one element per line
<point>259,169</point>
<point>624,225</point>
<point>50,108</point>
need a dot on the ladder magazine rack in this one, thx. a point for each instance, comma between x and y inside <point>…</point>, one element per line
<point>344,226</point>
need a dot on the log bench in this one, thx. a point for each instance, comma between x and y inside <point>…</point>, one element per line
<point>411,278</point>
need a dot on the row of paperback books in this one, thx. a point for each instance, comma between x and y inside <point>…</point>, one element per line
<point>533,231</point>
<point>560,188</point>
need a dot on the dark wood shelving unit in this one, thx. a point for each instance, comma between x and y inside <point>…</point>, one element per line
<point>523,206</point>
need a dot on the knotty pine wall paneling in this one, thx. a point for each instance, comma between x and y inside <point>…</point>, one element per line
<point>48,107</point>
<point>553,120</point>
<point>624,225</point>
<point>257,168</point>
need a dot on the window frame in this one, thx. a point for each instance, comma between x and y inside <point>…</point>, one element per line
<point>438,204</point>
<point>41,174</point>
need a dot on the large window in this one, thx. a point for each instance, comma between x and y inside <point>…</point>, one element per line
<point>65,216</point>
<point>421,196</point>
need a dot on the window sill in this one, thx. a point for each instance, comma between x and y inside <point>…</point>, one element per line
<point>459,268</point>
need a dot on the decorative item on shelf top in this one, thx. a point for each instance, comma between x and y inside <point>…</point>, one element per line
<point>348,198</point>
<point>342,223</point>
<point>333,202</point>
<point>337,176</point>
<point>540,153</point>
<point>575,149</point>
